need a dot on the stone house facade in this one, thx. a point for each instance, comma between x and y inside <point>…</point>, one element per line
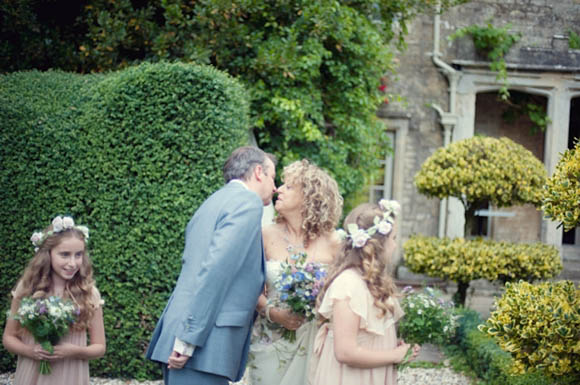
<point>449,93</point>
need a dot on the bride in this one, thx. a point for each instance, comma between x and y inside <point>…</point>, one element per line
<point>309,207</point>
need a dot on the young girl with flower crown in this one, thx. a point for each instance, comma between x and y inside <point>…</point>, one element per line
<point>358,343</point>
<point>60,267</point>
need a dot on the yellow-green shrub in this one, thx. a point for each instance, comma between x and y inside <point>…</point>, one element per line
<point>463,260</point>
<point>561,200</point>
<point>540,326</point>
<point>481,169</point>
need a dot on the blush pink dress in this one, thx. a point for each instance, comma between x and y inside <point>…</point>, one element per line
<point>374,333</point>
<point>67,371</point>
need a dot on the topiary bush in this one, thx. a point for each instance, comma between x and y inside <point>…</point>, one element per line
<point>490,363</point>
<point>463,260</point>
<point>561,199</point>
<point>480,171</point>
<point>539,325</point>
<point>131,154</point>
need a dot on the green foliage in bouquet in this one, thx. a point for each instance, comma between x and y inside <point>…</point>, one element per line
<point>562,191</point>
<point>540,326</point>
<point>132,154</point>
<point>478,170</point>
<point>428,317</point>
<point>463,260</point>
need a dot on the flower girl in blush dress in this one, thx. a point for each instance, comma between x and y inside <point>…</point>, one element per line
<point>61,267</point>
<point>358,344</point>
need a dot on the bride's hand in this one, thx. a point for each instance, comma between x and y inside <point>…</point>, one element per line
<point>286,318</point>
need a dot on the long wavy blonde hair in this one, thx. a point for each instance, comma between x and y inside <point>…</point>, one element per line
<point>36,281</point>
<point>322,204</point>
<point>370,260</point>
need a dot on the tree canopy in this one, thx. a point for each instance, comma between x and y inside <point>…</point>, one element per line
<point>311,68</point>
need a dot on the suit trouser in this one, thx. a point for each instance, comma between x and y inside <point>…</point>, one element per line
<point>188,376</point>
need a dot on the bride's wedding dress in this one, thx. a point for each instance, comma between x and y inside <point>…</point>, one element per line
<point>274,360</point>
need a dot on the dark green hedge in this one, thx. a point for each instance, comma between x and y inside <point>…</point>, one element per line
<point>489,361</point>
<point>131,154</point>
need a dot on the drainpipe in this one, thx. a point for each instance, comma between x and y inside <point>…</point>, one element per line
<point>447,119</point>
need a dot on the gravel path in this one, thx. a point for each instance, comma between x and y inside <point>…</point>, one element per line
<point>409,376</point>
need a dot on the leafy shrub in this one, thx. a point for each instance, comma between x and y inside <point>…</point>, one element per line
<point>131,154</point>
<point>428,318</point>
<point>463,260</point>
<point>494,43</point>
<point>573,40</point>
<point>562,191</point>
<point>482,169</point>
<point>540,326</point>
<point>467,320</point>
<point>489,361</point>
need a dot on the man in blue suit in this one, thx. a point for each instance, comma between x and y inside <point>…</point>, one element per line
<point>204,332</point>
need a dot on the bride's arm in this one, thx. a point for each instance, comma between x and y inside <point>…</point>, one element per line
<point>285,317</point>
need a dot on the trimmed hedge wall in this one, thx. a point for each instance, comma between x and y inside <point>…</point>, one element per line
<point>490,362</point>
<point>131,154</point>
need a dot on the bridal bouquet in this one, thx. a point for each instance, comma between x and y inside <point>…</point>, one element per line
<point>428,318</point>
<point>47,320</point>
<point>298,285</point>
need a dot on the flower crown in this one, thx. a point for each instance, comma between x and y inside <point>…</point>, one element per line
<point>383,225</point>
<point>59,224</point>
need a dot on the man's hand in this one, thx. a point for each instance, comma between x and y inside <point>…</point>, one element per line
<point>176,360</point>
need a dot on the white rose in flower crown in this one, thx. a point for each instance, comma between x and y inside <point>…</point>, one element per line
<point>68,222</point>
<point>341,234</point>
<point>384,227</point>
<point>57,224</point>
<point>389,206</point>
<point>359,238</point>
<point>36,237</point>
<point>84,230</point>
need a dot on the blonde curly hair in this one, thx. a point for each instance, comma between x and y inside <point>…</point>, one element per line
<point>36,281</point>
<point>322,205</point>
<point>370,260</point>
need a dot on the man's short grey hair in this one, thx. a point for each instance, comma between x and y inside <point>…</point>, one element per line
<point>242,162</point>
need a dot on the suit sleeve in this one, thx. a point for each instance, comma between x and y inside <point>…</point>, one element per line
<point>230,246</point>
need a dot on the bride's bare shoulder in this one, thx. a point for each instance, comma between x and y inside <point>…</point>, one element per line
<point>271,231</point>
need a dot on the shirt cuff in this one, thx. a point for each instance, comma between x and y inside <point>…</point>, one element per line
<point>183,348</point>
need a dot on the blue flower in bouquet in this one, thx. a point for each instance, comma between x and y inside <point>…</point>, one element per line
<point>298,285</point>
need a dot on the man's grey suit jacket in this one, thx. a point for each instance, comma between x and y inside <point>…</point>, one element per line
<point>222,275</point>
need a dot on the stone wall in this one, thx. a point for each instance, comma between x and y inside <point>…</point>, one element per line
<point>543,48</point>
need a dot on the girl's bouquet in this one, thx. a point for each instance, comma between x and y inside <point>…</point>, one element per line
<point>298,285</point>
<point>47,320</point>
<point>428,318</point>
